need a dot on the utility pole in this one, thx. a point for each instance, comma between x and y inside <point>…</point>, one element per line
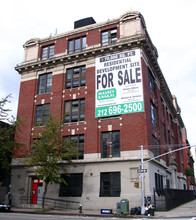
<point>142,173</point>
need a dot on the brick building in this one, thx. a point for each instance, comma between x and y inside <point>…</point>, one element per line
<point>106,79</point>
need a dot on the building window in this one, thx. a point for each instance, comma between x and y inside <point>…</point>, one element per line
<point>110,144</point>
<point>173,143</point>
<point>168,137</point>
<point>180,134</point>
<point>76,45</point>
<point>151,81</point>
<point>158,181</point>
<point>45,83</point>
<point>154,117</point>
<point>78,141</point>
<point>75,77</point>
<point>162,108</point>
<point>74,185</point>
<point>42,113</point>
<point>74,110</point>
<point>167,184</point>
<point>110,184</point>
<point>155,144</point>
<point>171,122</point>
<point>47,52</point>
<point>109,37</point>
<point>164,134</point>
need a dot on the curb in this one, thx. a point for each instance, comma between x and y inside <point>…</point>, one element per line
<point>79,214</point>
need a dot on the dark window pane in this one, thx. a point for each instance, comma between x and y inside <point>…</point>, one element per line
<point>67,118</point>
<point>151,81</point>
<point>155,143</point>
<point>110,184</point>
<point>68,74</point>
<point>70,46</point>
<point>83,43</point>
<point>116,144</point>
<point>75,110</point>
<point>74,185</point>
<point>41,84</point>
<point>51,51</point>
<point>68,85</point>
<point>113,40</point>
<point>110,144</point>
<point>105,145</point>
<point>45,83</point>
<point>68,78</point>
<point>47,52</point>
<point>44,53</point>
<point>154,117</point>
<point>67,111</point>
<point>75,83</point>
<point>105,38</point>
<point>75,77</point>
<point>75,105</point>
<point>79,145</point>
<point>74,117</point>
<point>49,82</point>
<point>39,113</point>
<point>77,45</point>
<point>113,36</point>
<point>82,109</point>
<point>109,37</point>
<point>76,72</point>
<point>82,78</point>
<point>42,114</point>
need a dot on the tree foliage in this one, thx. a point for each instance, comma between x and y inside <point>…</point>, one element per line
<point>7,143</point>
<point>50,154</point>
<point>6,150</point>
<point>4,112</point>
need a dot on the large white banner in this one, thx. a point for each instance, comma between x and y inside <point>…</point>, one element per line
<point>118,83</point>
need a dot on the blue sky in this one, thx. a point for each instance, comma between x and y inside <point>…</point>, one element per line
<point>170,24</point>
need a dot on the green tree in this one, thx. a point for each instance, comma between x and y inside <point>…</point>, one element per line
<point>7,143</point>
<point>4,112</point>
<point>50,154</point>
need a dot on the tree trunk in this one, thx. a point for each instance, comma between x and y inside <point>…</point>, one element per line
<point>44,195</point>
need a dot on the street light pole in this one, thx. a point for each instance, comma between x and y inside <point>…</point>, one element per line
<point>142,168</point>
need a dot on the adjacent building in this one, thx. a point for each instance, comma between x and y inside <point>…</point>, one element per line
<point>105,79</point>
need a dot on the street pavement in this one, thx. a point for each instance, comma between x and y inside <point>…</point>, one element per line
<point>183,211</point>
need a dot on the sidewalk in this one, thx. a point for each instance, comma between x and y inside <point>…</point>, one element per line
<point>186,210</point>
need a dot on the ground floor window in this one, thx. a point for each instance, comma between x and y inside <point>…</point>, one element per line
<point>158,181</point>
<point>74,185</point>
<point>159,184</point>
<point>110,184</point>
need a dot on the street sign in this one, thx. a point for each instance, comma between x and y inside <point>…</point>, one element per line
<point>142,170</point>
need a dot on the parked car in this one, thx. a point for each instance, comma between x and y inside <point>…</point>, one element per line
<point>4,207</point>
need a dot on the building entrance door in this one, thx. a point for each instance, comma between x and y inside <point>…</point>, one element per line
<point>37,191</point>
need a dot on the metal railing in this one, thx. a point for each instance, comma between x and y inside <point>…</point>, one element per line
<point>167,199</point>
<point>52,202</point>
